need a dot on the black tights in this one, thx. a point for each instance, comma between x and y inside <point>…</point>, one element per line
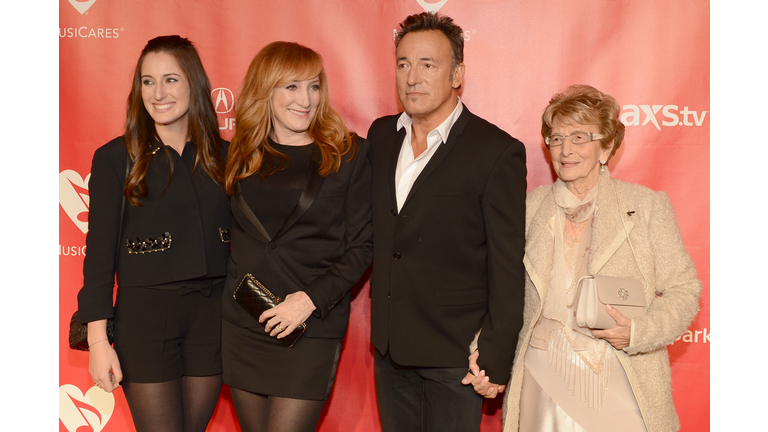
<point>260,413</point>
<point>185,404</point>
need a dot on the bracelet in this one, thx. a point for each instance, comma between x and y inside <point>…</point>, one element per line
<point>90,345</point>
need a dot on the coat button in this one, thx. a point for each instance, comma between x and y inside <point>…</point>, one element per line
<point>389,295</point>
<point>394,212</point>
<point>397,255</point>
<point>272,245</point>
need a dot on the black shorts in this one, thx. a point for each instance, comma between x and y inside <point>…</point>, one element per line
<point>162,334</point>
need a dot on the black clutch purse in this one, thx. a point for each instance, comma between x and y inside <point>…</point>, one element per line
<point>78,333</point>
<point>255,298</point>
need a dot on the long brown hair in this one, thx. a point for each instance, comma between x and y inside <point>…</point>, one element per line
<point>275,65</point>
<point>203,125</point>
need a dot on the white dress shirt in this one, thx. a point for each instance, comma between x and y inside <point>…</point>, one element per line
<point>408,167</point>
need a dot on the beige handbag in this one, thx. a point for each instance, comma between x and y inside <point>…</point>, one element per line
<point>624,294</point>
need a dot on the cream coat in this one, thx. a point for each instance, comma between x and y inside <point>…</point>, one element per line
<point>672,289</point>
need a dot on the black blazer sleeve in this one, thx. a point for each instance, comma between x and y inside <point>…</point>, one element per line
<point>503,207</point>
<point>106,194</point>
<point>327,290</point>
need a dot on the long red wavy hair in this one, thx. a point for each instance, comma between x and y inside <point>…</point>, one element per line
<point>275,65</point>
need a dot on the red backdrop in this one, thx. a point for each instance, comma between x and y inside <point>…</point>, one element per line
<point>652,56</point>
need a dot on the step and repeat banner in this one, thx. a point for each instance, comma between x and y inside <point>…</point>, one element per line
<point>652,56</point>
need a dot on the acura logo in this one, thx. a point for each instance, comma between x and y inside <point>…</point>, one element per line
<point>429,6</point>
<point>82,6</point>
<point>223,100</point>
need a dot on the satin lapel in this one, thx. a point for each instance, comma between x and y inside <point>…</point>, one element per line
<point>397,144</point>
<point>238,203</point>
<point>314,183</point>
<point>608,231</point>
<point>540,244</point>
<point>441,152</point>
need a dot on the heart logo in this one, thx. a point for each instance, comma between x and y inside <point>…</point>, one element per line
<point>74,198</point>
<point>429,7</point>
<point>94,408</point>
<point>82,6</point>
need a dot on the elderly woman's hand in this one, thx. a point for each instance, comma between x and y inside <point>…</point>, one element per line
<point>619,335</point>
<point>285,317</point>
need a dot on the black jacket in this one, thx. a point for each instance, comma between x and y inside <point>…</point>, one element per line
<point>450,262</point>
<point>192,209</point>
<point>323,248</point>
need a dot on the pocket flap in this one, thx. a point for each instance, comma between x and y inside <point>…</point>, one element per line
<point>451,191</point>
<point>461,297</point>
<point>620,291</point>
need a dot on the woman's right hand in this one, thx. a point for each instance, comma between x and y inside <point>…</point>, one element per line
<point>103,364</point>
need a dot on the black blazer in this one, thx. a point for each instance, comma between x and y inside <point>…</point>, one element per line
<point>451,261</point>
<point>192,209</point>
<point>323,248</point>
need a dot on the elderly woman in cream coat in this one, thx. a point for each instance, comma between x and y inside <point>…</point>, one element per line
<point>570,378</point>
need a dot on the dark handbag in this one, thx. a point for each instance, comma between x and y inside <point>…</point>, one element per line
<point>255,298</point>
<point>78,333</point>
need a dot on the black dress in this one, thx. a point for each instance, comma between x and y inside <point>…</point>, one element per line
<point>254,361</point>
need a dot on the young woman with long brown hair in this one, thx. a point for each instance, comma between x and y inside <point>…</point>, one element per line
<point>159,221</point>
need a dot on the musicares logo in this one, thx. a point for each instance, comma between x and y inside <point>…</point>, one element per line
<point>428,7</point>
<point>223,100</point>
<point>74,197</point>
<point>92,409</point>
<point>82,6</point>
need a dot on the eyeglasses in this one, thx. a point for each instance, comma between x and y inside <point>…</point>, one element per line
<point>578,137</point>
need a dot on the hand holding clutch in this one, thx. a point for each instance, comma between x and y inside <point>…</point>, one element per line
<point>283,319</point>
<point>255,298</point>
<point>618,336</point>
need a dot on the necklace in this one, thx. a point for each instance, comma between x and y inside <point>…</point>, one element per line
<point>576,235</point>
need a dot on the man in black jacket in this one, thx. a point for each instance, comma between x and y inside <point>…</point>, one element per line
<point>449,221</point>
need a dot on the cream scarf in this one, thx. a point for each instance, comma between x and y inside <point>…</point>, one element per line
<point>581,360</point>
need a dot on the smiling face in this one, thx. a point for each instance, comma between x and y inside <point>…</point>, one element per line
<point>165,90</point>
<point>578,165</point>
<point>294,106</point>
<point>424,83</point>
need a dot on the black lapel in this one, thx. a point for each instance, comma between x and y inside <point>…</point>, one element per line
<point>239,202</point>
<point>314,183</point>
<point>441,152</point>
<point>397,145</point>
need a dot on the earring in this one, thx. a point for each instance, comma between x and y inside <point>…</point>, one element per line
<point>602,166</point>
